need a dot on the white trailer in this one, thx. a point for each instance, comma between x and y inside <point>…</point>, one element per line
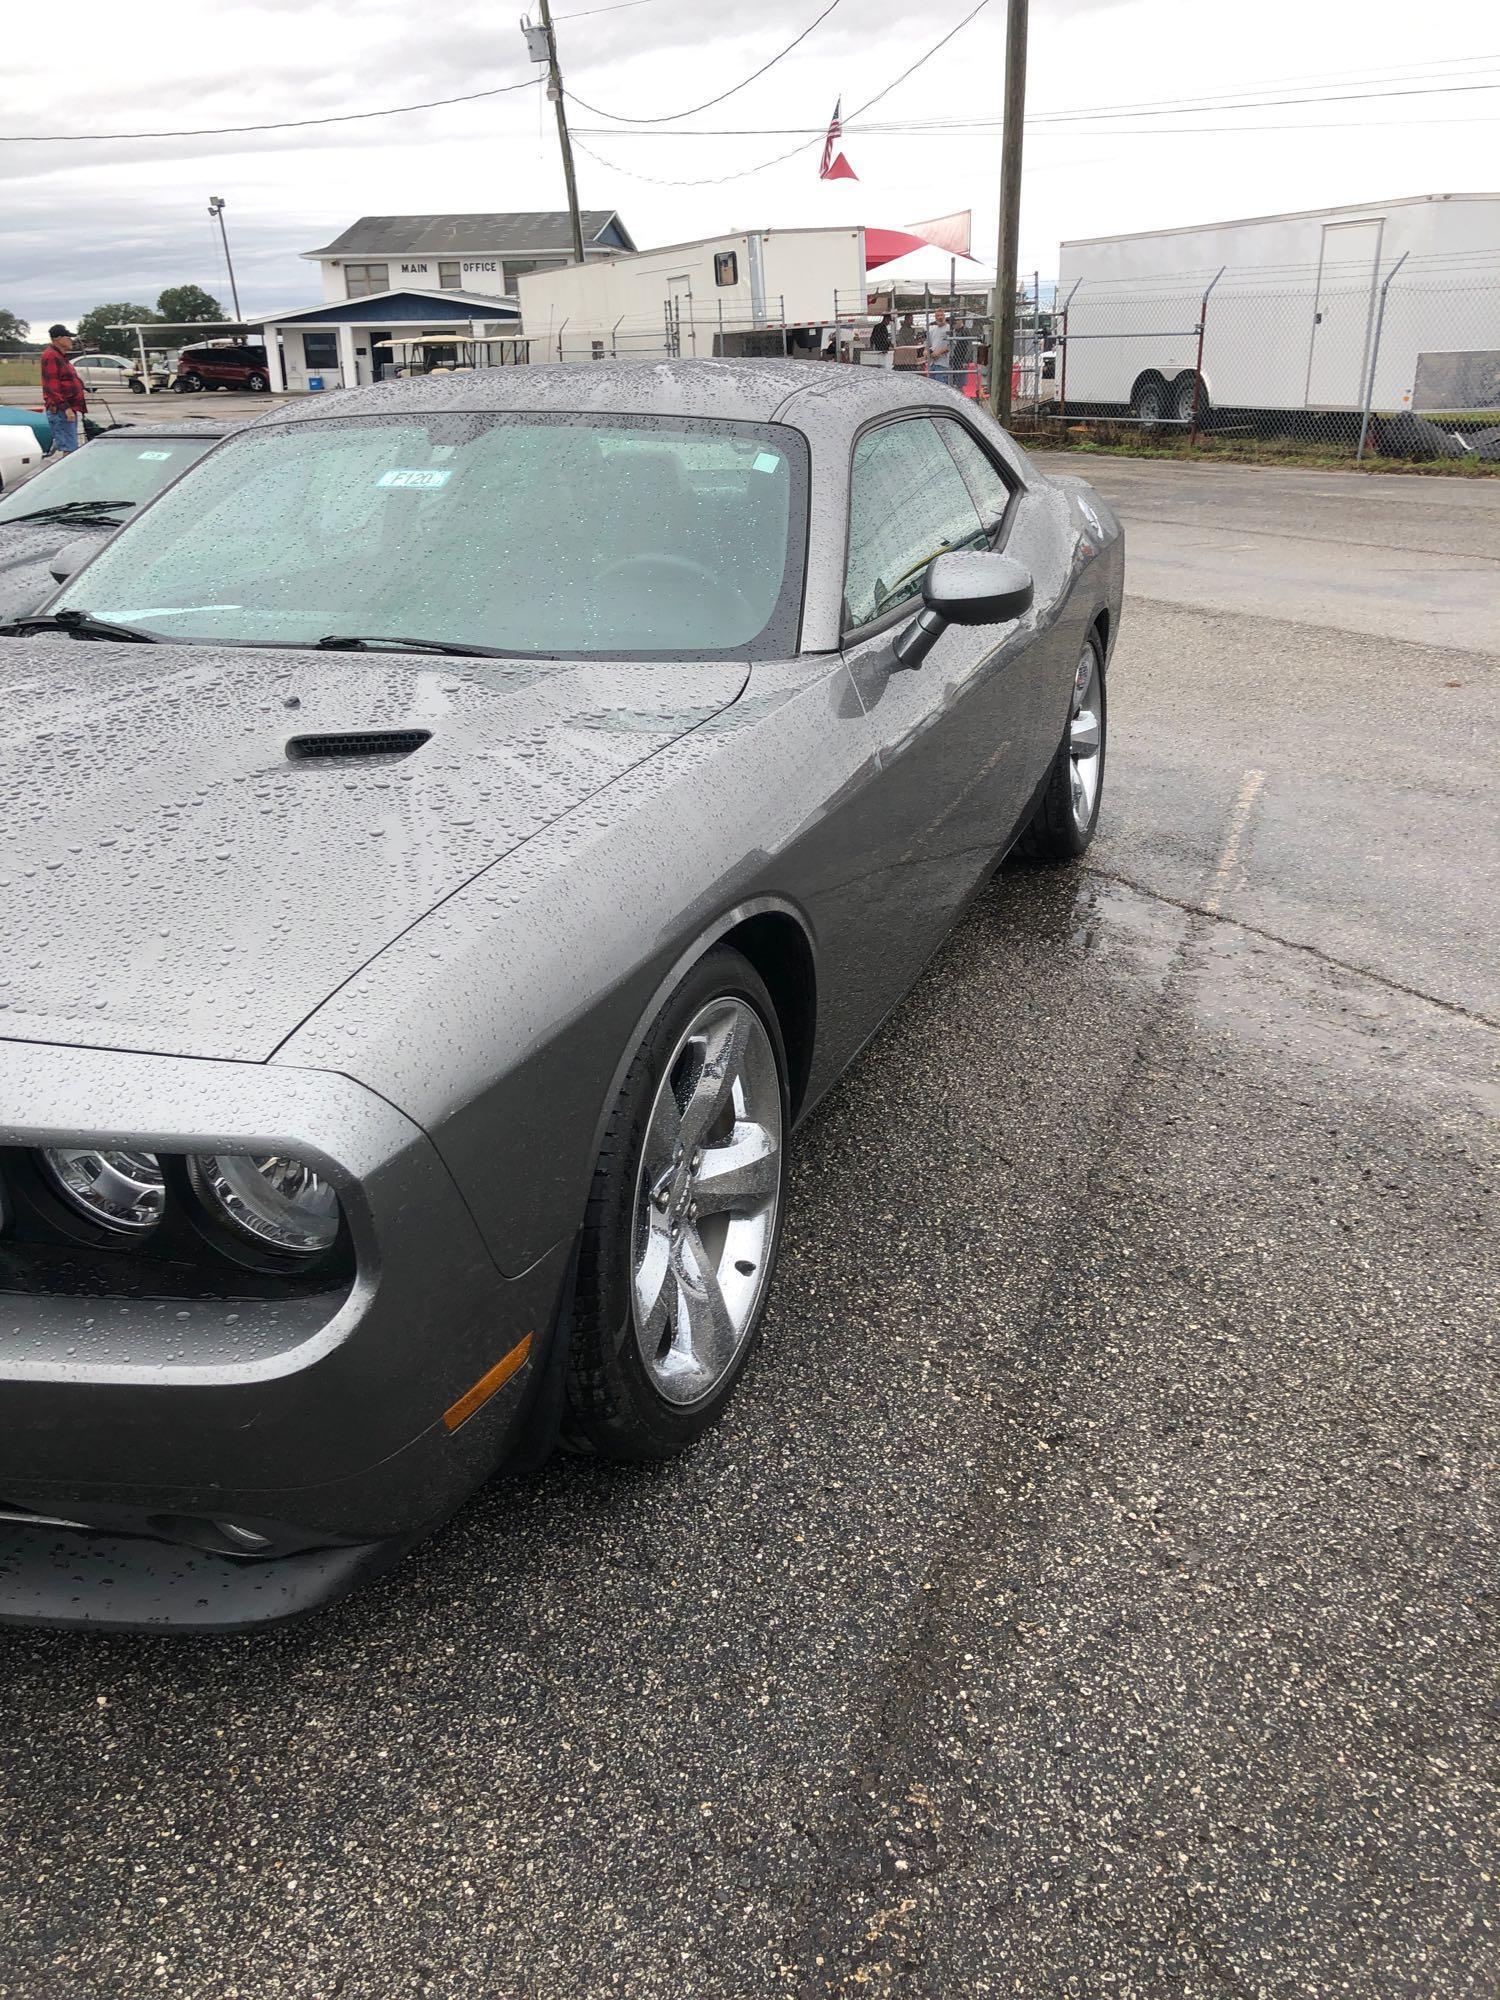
<point>1293,310</point>
<point>730,294</point>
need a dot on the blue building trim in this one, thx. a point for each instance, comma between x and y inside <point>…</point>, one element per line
<point>398,309</point>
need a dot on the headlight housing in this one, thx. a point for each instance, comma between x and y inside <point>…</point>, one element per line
<point>269,1199</point>
<point>108,1219</point>
<point>119,1189</point>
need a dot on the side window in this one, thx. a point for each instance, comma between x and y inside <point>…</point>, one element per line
<point>981,474</point>
<point>907,504</point>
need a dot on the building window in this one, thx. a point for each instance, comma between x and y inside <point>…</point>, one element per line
<point>450,278</point>
<point>726,268</point>
<point>361,280</point>
<point>598,349</point>
<point>321,350</point>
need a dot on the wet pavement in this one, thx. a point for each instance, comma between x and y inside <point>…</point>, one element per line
<point>1092,1589</point>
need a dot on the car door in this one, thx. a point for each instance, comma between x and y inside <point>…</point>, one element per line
<point>954,737</point>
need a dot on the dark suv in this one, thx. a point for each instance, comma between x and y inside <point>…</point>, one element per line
<point>236,365</point>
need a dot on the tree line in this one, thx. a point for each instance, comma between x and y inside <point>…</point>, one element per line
<point>97,328</point>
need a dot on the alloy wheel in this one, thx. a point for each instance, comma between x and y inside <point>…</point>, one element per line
<point>708,1192</point>
<point>1086,739</point>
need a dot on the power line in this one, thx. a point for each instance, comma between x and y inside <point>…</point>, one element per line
<point>274,125</point>
<point>990,124</point>
<point>668,117</point>
<point>587,13</point>
<point>718,180</point>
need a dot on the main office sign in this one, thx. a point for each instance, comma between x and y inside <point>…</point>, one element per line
<point>485,275</point>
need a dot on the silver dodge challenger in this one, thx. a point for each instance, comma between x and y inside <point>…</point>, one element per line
<point>541,784</point>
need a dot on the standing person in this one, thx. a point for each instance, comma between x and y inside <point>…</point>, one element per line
<point>880,343</point>
<point>937,346</point>
<point>62,390</point>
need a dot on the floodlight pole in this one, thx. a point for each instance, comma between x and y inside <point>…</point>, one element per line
<point>216,207</point>
<point>1003,345</point>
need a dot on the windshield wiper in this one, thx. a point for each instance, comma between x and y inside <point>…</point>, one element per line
<point>70,509</point>
<point>78,625</point>
<point>339,642</point>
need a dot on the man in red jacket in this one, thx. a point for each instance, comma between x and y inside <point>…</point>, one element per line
<point>62,391</point>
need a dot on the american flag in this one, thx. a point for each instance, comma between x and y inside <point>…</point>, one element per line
<point>834,166</point>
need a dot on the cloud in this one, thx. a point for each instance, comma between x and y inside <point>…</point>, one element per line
<point>84,222</point>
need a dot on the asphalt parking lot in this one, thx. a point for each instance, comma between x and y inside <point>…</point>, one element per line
<point>1092,1591</point>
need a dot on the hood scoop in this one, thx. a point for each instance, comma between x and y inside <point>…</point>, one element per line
<point>361,746</point>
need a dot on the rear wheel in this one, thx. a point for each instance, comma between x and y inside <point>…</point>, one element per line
<point>256,384</point>
<point>1063,824</point>
<point>192,383</point>
<point>683,1222</point>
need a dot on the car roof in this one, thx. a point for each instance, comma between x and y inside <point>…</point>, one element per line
<point>185,427</point>
<point>811,396</point>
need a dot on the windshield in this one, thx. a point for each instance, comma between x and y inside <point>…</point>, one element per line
<point>108,469</point>
<point>653,537</point>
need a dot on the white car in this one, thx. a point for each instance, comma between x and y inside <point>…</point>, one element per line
<point>20,454</point>
<point>104,371</point>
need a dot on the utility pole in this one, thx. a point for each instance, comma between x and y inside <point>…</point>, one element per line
<point>216,207</point>
<point>555,92</point>
<point>1003,345</point>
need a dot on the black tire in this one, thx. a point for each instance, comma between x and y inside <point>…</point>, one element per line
<point>1182,400</point>
<point>613,1408</point>
<point>1053,833</point>
<point>194,383</point>
<point>137,388</point>
<point>256,384</point>
<point>1150,404</point>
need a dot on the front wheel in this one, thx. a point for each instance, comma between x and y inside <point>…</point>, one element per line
<point>1063,824</point>
<point>683,1221</point>
<point>1149,403</point>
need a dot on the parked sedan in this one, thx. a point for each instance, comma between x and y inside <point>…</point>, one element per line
<point>84,497</point>
<point>104,371</point>
<point>540,786</point>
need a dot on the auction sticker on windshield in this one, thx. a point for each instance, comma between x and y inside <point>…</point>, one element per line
<point>416,476</point>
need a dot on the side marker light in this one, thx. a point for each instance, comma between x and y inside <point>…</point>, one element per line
<point>496,1378</point>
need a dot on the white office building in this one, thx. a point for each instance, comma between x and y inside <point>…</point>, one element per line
<point>423,291</point>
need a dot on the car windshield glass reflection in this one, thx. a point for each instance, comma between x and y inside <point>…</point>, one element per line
<point>519,533</point>
<point>109,471</point>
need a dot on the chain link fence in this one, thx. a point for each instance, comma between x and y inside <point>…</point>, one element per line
<point>1345,361</point>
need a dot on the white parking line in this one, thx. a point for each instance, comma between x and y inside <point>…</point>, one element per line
<point>1238,819</point>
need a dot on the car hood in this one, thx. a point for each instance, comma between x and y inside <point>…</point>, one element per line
<point>26,548</point>
<point>174,881</point>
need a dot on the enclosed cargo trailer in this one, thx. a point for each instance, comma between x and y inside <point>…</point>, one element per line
<point>1288,308</point>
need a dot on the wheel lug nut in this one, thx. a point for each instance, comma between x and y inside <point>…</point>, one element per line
<point>661,1197</point>
<point>693,1211</point>
<point>697,1161</point>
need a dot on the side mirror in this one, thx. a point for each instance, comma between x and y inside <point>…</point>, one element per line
<point>72,556</point>
<point>984,588</point>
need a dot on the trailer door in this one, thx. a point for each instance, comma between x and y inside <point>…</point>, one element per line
<point>1339,355</point>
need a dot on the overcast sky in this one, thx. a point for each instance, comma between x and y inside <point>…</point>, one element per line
<point>117,220</point>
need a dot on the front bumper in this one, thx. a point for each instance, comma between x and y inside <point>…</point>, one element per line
<point>317,1423</point>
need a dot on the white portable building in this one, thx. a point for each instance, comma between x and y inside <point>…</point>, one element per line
<point>731,294</point>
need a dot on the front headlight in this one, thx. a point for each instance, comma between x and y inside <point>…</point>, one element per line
<point>122,1190</point>
<point>268,1199</point>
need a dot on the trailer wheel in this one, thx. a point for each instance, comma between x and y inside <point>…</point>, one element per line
<point>1182,399</point>
<point>1148,402</point>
